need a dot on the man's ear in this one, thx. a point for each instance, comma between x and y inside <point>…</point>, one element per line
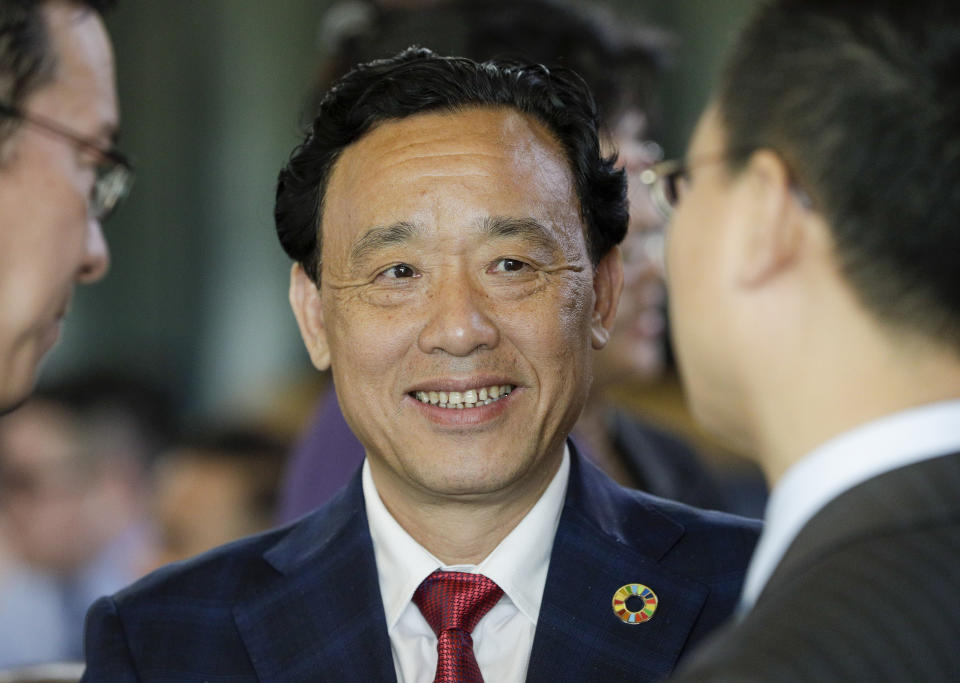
<point>773,225</point>
<point>305,301</point>
<point>607,285</point>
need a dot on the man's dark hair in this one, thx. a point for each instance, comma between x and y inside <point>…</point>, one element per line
<point>27,58</point>
<point>861,98</point>
<point>419,81</point>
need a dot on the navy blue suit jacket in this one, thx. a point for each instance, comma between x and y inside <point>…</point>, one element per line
<point>302,603</point>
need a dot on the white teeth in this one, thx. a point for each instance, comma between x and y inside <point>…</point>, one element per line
<point>471,398</point>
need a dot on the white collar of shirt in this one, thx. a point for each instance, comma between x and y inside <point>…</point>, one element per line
<point>840,464</point>
<point>518,565</point>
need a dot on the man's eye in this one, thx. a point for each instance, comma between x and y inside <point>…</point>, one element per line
<point>508,265</point>
<point>401,270</point>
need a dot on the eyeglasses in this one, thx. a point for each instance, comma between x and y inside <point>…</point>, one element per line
<point>114,172</point>
<point>668,180</point>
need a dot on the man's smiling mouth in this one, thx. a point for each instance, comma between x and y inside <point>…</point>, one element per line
<point>460,400</point>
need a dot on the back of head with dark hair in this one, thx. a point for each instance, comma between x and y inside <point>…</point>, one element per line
<point>862,100</point>
<point>419,81</point>
<point>27,61</point>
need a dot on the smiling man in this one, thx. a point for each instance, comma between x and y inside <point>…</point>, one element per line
<point>59,174</point>
<point>455,227</point>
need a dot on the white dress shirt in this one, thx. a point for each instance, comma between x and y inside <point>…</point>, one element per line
<point>840,464</point>
<point>503,638</point>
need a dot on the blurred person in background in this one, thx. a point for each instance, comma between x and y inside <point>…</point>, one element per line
<point>621,62</point>
<point>73,508</point>
<point>60,176</point>
<point>815,295</point>
<point>215,487</point>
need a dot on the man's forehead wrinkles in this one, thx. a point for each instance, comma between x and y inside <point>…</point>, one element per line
<point>400,166</point>
<point>427,162</point>
<point>429,138</point>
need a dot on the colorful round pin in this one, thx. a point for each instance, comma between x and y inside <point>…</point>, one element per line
<point>640,592</point>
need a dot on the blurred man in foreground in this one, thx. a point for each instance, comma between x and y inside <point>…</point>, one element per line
<point>454,227</point>
<point>815,296</point>
<point>59,174</point>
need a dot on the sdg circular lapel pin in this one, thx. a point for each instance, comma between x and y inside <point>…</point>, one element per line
<point>637,594</point>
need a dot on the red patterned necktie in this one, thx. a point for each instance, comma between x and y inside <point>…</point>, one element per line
<point>453,603</point>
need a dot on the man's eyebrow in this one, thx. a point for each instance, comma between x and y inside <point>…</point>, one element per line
<point>526,228</point>
<point>381,237</point>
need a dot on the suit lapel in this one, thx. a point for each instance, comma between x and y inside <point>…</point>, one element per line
<point>596,551</point>
<point>318,614</point>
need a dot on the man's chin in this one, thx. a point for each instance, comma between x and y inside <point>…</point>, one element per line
<point>481,479</point>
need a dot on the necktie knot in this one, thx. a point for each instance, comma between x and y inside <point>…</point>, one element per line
<point>455,600</point>
<point>453,603</point>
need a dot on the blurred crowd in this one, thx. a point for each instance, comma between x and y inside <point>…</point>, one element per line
<point>98,486</point>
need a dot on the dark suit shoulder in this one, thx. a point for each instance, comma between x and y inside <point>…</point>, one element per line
<point>217,574</point>
<point>180,623</point>
<point>226,572</point>
<point>246,611</point>
<point>881,608</point>
<point>177,623</point>
<point>718,542</point>
<point>867,591</point>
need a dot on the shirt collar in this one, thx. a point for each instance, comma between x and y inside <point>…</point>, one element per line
<point>518,564</point>
<point>840,464</point>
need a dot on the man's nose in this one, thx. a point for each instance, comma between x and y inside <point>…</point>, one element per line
<point>96,254</point>
<point>459,322</point>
